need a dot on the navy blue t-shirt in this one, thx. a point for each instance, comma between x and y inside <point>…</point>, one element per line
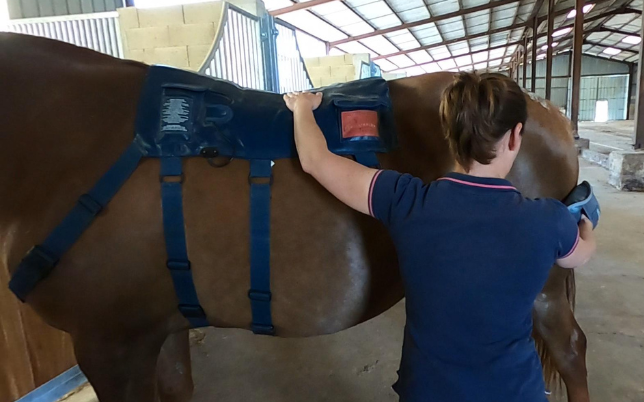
<point>474,254</point>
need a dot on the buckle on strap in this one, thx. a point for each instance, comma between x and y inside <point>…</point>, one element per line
<point>178,265</point>
<point>260,295</point>
<point>90,204</point>
<point>261,329</point>
<point>40,259</point>
<point>192,310</point>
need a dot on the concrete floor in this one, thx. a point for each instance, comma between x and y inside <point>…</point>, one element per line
<point>360,364</point>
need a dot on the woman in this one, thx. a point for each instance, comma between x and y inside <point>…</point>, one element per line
<point>473,252</point>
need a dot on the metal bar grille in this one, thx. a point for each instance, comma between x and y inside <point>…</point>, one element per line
<point>292,70</point>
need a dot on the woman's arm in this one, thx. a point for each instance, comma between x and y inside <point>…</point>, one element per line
<point>345,179</point>
<point>583,250</point>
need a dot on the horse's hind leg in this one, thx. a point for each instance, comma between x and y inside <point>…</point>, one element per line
<point>555,324</point>
<point>122,370</point>
<point>174,370</point>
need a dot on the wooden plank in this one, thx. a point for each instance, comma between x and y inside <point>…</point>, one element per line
<point>86,6</point>
<point>46,8</point>
<point>50,350</point>
<point>74,6</point>
<point>60,7</point>
<point>16,377</point>
<point>30,9</point>
<point>576,66</point>
<point>99,6</point>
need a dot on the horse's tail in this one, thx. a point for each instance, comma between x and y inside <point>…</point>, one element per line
<point>550,373</point>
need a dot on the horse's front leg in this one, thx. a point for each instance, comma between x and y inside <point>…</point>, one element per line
<point>564,340</point>
<point>120,368</point>
<point>174,371</point>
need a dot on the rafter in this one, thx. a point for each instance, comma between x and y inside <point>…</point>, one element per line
<point>489,49</point>
<point>456,40</point>
<point>617,31</point>
<point>298,7</point>
<point>408,25</point>
<point>472,65</point>
<point>588,42</point>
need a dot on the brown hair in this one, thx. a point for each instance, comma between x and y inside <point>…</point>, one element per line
<point>477,111</point>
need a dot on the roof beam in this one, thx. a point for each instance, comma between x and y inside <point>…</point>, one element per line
<point>588,42</point>
<point>408,25</point>
<point>489,49</point>
<point>298,7</point>
<point>424,64</point>
<point>452,41</point>
<point>617,31</point>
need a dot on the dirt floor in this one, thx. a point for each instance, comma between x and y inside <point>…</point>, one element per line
<point>360,364</point>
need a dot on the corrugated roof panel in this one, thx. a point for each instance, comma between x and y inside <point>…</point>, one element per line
<point>474,3</point>
<point>510,49</point>
<point>386,65</point>
<point>477,22</point>
<point>451,28</point>
<point>479,43</point>
<point>404,5</point>
<point>342,18</point>
<point>480,56</point>
<point>379,44</point>
<point>496,53</point>
<point>308,22</point>
<point>358,3</point>
<point>459,48</point>
<point>420,57</point>
<point>387,21</point>
<point>620,19</point>
<point>498,39</point>
<point>431,67</point>
<point>413,71</point>
<point>447,64</point>
<point>355,47</point>
<point>275,4</point>
<point>401,61</point>
<point>404,41</point>
<point>374,10</point>
<point>357,29</point>
<point>443,7</point>
<point>480,66</point>
<point>494,63</point>
<point>506,60</point>
<point>463,60</point>
<point>439,52</point>
<point>415,14</point>
<point>329,8</point>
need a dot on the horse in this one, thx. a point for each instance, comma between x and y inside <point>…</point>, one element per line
<point>67,115</point>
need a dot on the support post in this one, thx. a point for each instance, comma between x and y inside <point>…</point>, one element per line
<point>551,20</point>
<point>533,84</point>
<point>639,108</point>
<point>525,61</point>
<point>576,67</point>
<point>631,80</point>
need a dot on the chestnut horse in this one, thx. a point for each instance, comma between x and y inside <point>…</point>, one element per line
<point>67,113</point>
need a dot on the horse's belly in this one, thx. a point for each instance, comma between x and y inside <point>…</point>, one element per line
<point>331,268</point>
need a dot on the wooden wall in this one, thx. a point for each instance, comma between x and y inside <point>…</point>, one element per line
<point>48,8</point>
<point>31,352</point>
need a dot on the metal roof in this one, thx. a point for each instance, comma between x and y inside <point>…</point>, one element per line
<point>418,36</point>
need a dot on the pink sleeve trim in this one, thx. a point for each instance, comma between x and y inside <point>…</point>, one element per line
<point>574,247</point>
<point>371,186</point>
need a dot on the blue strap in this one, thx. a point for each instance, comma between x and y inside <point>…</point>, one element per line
<point>368,159</point>
<point>42,259</point>
<point>175,242</point>
<point>260,179</point>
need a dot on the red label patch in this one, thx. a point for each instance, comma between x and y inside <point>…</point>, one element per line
<point>359,123</point>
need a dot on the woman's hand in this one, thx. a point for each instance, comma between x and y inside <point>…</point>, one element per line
<point>303,100</point>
